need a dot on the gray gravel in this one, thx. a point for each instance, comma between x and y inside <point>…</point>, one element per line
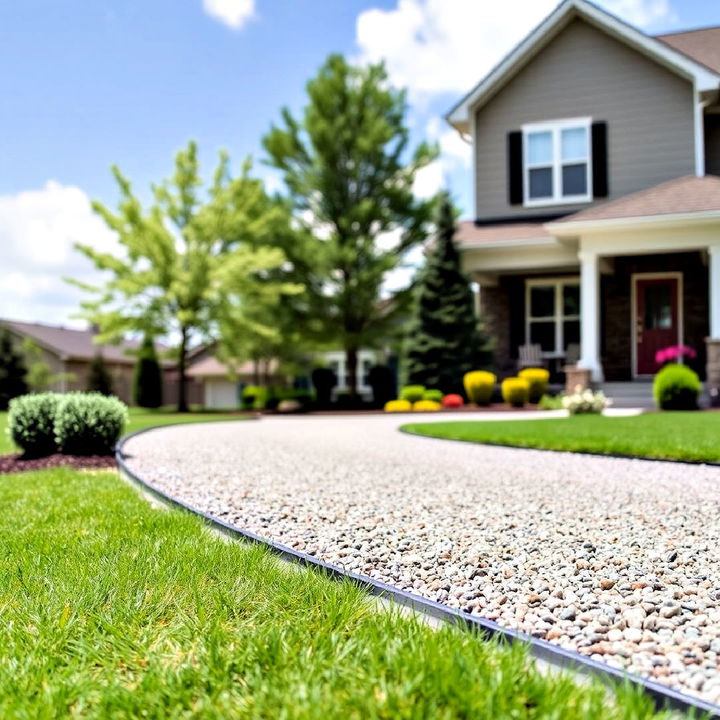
<point>617,559</point>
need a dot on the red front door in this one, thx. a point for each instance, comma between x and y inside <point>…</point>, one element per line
<point>656,319</point>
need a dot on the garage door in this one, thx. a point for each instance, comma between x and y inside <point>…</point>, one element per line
<point>220,394</point>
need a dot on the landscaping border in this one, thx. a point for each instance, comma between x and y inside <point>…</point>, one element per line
<point>542,650</point>
<point>617,456</point>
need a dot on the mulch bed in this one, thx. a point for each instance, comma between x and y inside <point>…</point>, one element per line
<point>16,463</point>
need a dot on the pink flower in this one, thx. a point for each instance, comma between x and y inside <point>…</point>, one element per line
<point>674,352</point>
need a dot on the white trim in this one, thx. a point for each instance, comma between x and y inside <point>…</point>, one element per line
<point>703,78</point>
<point>633,312</point>
<point>555,128</point>
<point>494,245</point>
<point>699,132</point>
<point>558,317</point>
<point>573,227</point>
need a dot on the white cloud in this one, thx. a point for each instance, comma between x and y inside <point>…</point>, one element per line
<point>38,230</point>
<point>445,46</point>
<point>233,13</point>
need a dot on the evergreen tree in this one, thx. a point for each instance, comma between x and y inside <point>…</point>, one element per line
<point>445,339</point>
<point>99,378</point>
<point>147,377</point>
<point>12,371</point>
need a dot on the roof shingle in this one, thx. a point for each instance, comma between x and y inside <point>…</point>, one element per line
<point>701,45</point>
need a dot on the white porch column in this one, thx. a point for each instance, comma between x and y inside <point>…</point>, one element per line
<point>714,253</point>
<point>590,314</point>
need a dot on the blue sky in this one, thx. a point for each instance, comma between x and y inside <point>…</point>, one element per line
<point>87,83</point>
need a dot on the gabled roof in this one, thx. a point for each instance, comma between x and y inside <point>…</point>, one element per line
<point>702,45</point>
<point>469,235</point>
<point>211,367</point>
<point>680,197</point>
<point>71,344</point>
<point>704,77</point>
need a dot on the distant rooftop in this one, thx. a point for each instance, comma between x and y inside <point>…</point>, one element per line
<point>72,344</point>
<point>702,45</point>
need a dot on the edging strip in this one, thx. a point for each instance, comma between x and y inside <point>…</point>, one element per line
<point>663,697</point>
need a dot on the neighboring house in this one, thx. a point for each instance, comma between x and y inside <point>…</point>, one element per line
<point>596,150</point>
<point>216,386</point>
<point>336,361</point>
<point>68,352</point>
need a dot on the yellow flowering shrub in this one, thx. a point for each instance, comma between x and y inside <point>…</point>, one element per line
<point>479,385</point>
<point>537,380</point>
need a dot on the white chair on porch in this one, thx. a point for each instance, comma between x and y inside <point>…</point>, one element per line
<point>530,356</point>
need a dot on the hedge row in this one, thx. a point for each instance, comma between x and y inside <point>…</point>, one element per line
<point>73,423</point>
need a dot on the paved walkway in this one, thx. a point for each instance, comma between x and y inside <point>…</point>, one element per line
<point>618,559</point>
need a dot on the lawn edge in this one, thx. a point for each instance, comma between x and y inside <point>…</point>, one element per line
<point>543,651</point>
<point>618,456</point>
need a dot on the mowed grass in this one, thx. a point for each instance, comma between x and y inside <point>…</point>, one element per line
<point>139,419</point>
<point>110,608</point>
<point>668,435</point>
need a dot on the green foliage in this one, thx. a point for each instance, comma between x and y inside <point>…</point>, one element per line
<point>433,395</point>
<point>323,380</point>
<point>99,378</point>
<point>412,393</point>
<point>31,423</point>
<point>147,376</point>
<point>12,370</point>
<point>677,387</point>
<point>445,336</point>
<point>191,262</point>
<point>479,386</point>
<point>345,164</point>
<point>537,380</point>
<point>551,402</point>
<point>382,381</point>
<point>515,391</point>
<point>253,397</point>
<point>88,423</point>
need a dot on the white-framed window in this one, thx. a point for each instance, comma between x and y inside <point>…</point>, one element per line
<point>557,162</point>
<point>552,314</point>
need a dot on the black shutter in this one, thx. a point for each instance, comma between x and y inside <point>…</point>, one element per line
<point>599,159</point>
<point>515,167</point>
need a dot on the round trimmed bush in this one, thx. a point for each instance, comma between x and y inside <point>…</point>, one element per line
<point>31,423</point>
<point>479,386</point>
<point>537,380</point>
<point>89,423</point>
<point>434,395</point>
<point>515,391</point>
<point>452,401</point>
<point>426,406</point>
<point>677,387</point>
<point>398,406</point>
<point>412,393</point>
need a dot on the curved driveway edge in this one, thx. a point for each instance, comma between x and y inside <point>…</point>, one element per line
<point>180,464</point>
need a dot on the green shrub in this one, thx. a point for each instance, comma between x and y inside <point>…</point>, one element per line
<point>412,393</point>
<point>99,377</point>
<point>479,386</point>
<point>515,391</point>
<point>254,397</point>
<point>433,395</point>
<point>551,402</point>
<point>676,387</point>
<point>324,380</point>
<point>88,423</point>
<point>31,423</point>
<point>537,380</point>
<point>381,379</point>
<point>147,376</point>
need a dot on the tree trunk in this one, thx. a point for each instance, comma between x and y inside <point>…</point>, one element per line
<point>182,368</point>
<point>351,363</point>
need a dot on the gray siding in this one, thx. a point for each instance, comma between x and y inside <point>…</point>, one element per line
<point>582,73</point>
<point>712,144</point>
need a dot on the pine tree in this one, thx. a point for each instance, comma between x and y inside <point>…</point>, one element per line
<point>445,339</point>
<point>147,377</point>
<point>99,378</point>
<point>12,371</point>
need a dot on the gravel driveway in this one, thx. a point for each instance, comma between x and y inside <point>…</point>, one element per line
<point>617,559</point>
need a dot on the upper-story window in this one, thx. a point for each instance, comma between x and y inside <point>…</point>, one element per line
<point>557,167</point>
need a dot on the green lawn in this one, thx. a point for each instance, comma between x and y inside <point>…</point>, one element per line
<point>668,435</point>
<point>110,608</point>
<point>139,420</point>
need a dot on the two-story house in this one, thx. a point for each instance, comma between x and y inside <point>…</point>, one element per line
<point>596,155</point>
